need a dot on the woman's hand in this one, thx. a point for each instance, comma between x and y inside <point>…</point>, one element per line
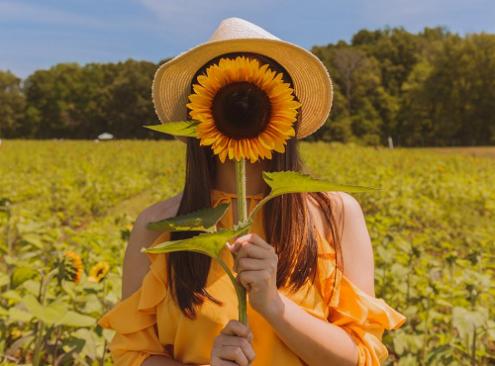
<point>256,265</point>
<point>232,346</point>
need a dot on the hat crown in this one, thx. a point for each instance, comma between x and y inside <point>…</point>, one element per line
<point>232,28</point>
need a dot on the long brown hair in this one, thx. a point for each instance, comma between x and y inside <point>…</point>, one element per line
<point>288,224</point>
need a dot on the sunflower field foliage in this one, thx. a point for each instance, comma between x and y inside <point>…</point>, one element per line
<point>67,209</point>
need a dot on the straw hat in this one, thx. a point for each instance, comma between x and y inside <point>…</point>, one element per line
<point>312,83</point>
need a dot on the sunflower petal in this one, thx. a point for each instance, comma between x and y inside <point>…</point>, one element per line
<point>265,140</point>
<point>280,94</point>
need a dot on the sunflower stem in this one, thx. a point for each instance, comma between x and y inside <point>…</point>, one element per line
<point>40,326</point>
<point>241,295</point>
<point>240,183</point>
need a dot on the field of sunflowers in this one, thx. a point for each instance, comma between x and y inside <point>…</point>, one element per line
<point>67,208</point>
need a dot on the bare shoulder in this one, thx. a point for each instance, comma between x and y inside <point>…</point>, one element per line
<point>351,208</point>
<point>136,264</point>
<point>160,210</point>
<point>357,250</point>
<point>337,211</point>
<point>345,207</point>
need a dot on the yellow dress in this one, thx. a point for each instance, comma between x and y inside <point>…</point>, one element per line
<point>150,323</point>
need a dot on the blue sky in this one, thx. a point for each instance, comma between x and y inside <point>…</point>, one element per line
<point>39,34</point>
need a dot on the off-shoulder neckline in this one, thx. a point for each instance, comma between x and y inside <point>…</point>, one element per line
<point>234,195</point>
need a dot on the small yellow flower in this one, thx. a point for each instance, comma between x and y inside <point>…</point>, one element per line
<point>73,266</point>
<point>98,271</point>
<point>15,333</point>
<point>259,121</point>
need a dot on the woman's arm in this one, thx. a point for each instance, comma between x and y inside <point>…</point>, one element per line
<point>317,342</point>
<point>320,342</point>
<point>136,264</point>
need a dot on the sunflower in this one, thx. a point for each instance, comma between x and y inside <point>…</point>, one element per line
<point>72,267</point>
<point>98,271</point>
<point>244,109</point>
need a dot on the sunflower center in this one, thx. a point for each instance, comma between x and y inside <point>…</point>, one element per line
<point>241,110</point>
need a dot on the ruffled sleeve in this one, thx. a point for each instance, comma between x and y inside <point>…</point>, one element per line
<point>364,317</point>
<point>134,318</point>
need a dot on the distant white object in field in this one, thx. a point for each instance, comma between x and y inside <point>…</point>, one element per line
<point>390,143</point>
<point>105,136</point>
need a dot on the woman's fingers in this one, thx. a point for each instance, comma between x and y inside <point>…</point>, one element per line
<point>239,342</point>
<point>235,327</point>
<point>233,353</point>
<point>248,278</point>
<point>250,251</point>
<point>226,363</point>
<point>251,264</point>
<point>236,349</point>
<point>216,361</point>
<point>243,249</point>
<point>256,240</point>
<point>253,251</point>
<point>233,344</point>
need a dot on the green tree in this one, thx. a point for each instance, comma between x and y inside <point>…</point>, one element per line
<point>52,100</point>
<point>12,104</point>
<point>449,95</point>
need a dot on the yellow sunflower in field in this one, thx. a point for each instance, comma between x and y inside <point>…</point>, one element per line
<point>73,267</point>
<point>244,110</point>
<point>98,271</point>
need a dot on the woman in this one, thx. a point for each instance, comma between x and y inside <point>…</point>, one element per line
<point>304,306</point>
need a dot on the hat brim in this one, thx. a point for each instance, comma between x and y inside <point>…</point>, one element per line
<point>312,82</point>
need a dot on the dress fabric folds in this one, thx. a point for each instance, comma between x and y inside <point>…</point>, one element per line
<point>150,323</point>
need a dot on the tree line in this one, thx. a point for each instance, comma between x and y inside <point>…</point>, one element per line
<point>433,88</point>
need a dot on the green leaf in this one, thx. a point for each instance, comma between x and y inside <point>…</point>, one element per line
<point>200,220</point>
<point>92,304</point>
<point>32,287</point>
<point>49,315</point>
<point>491,329</point>
<point>56,313</point>
<point>4,279</point>
<point>3,312</point>
<point>176,128</point>
<point>16,314</point>
<point>438,354</point>
<point>295,182</point>
<point>73,319</point>
<point>11,295</point>
<point>90,343</point>
<point>210,244</point>
<point>33,239</point>
<point>465,321</point>
<point>22,274</point>
<point>107,334</point>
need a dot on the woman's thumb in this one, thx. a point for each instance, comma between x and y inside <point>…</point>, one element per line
<point>232,247</point>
